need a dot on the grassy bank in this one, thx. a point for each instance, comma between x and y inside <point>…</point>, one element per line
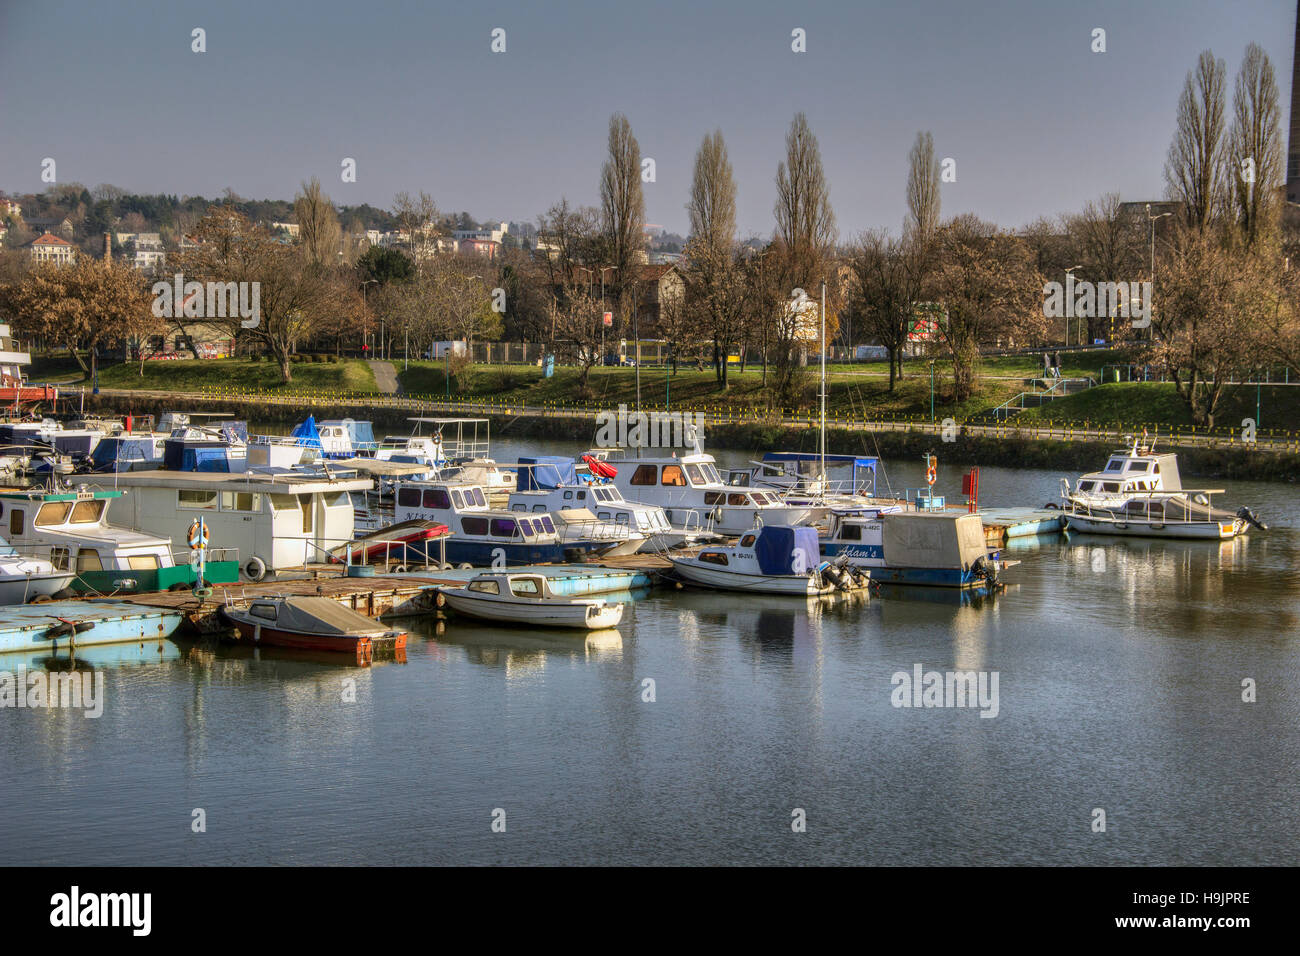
<point>352,375</point>
<point>1122,403</point>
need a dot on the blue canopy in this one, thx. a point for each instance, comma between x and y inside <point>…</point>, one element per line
<point>547,471</point>
<point>776,547</point>
<point>857,461</point>
<point>121,454</point>
<point>306,433</point>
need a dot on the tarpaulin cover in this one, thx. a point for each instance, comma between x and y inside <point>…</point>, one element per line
<point>548,471</point>
<point>182,455</point>
<point>306,433</point>
<point>71,444</point>
<point>776,547</point>
<point>927,540</point>
<point>119,454</point>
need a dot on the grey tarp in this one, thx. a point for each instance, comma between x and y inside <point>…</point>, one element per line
<point>932,540</point>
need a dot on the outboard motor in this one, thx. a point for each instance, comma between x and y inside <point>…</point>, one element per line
<point>987,568</point>
<point>1245,514</point>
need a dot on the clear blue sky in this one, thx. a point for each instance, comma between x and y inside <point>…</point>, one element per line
<point>1037,123</point>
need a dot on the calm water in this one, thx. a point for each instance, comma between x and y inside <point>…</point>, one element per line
<point>1120,667</point>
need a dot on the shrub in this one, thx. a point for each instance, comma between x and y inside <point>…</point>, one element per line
<point>332,359</point>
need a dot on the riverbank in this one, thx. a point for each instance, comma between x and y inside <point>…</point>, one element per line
<point>1007,446</point>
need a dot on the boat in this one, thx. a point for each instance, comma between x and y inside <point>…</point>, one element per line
<point>482,535</point>
<point>274,519</point>
<point>310,623</point>
<point>71,530</point>
<point>24,578</point>
<point>390,544</point>
<point>84,623</point>
<point>519,598</point>
<point>773,559</point>
<point>693,495</point>
<point>928,548</point>
<point>1140,494</point>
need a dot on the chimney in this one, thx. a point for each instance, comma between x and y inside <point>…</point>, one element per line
<point>108,247</point>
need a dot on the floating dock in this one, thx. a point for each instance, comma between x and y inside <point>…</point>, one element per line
<point>380,595</point>
<point>1005,523</point>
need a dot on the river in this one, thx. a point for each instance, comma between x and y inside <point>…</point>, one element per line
<point>772,735</point>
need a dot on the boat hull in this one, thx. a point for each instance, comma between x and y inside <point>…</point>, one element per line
<point>485,554</point>
<point>1181,530</point>
<point>359,645</point>
<point>43,626</point>
<point>536,614</point>
<point>21,589</point>
<point>727,580</point>
<point>159,579</point>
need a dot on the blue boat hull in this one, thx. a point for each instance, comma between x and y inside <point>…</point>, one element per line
<point>869,556</point>
<point>41,627</point>
<point>462,550</point>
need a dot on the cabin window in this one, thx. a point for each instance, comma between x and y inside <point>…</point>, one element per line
<point>603,515</point>
<point>503,527</point>
<point>850,532</point>
<point>1115,464</point>
<point>88,512</point>
<point>53,512</point>
<point>711,474</point>
<point>241,501</point>
<point>748,541</point>
<point>16,521</point>
<point>713,557</point>
<point>478,496</point>
<point>645,474</point>
<point>537,508</point>
<point>1157,511</point>
<point>474,525</point>
<point>408,497</point>
<point>673,476</point>
<point>527,526</point>
<point>88,560</point>
<point>1110,486</point>
<point>518,507</point>
<point>436,498</point>
<point>59,557</point>
<point>457,499</point>
<point>547,523</point>
<point>568,496</point>
<point>142,562</point>
<point>737,500</point>
<point>1136,507</point>
<point>484,587</point>
<point>332,499</point>
<point>197,500</point>
<point>1085,486</point>
<point>284,502</point>
<point>713,497</point>
<point>524,587</point>
<point>693,472</point>
<point>1139,466</point>
<point>264,611</point>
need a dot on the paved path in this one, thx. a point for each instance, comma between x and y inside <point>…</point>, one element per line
<point>385,376</point>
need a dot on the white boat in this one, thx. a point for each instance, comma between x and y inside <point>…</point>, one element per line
<point>1140,493</point>
<point>775,559</point>
<point>528,599</point>
<point>22,579</point>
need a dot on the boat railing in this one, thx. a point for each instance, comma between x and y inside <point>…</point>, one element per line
<point>1083,508</point>
<point>213,555</point>
<point>597,528</point>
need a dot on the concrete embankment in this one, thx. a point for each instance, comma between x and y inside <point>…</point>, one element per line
<point>1068,450</point>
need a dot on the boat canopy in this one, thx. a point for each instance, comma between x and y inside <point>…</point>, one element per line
<point>319,615</point>
<point>112,452</point>
<point>362,434</point>
<point>546,472</point>
<point>857,461</point>
<point>180,454</point>
<point>924,539</point>
<point>776,547</point>
<point>306,434</point>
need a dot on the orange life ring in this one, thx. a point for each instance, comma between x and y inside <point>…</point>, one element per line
<point>929,474</point>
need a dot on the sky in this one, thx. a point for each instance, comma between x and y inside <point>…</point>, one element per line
<point>1037,123</point>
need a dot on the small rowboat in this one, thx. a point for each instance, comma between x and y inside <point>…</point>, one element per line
<point>390,542</point>
<point>311,623</point>
<point>598,467</point>
<point>528,599</point>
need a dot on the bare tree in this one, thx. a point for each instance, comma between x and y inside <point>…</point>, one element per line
<point>922,189</point>
<point>416,216</point>
<point>1194,170</point>
<point>622,207</point>
<point>805,223</point>
<point>1255,146</point>
<point>318,225</point>
<point>714,284</point>
<point>1107,244</point>
<point>888,277</point>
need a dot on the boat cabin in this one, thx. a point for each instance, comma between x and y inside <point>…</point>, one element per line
<point>1135,470</point>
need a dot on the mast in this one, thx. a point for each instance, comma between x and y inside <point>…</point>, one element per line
<point>823,423</point>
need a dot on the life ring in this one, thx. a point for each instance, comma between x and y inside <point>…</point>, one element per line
<point>255,568</point>
<point>930,475</point>
<point>717,514</point>
<point>1051,506</point>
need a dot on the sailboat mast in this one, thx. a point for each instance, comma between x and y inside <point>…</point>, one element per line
<point>823,340</point>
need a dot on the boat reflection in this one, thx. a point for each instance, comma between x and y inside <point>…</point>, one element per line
<point>64,659</point>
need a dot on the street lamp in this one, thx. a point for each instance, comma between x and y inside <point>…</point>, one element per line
<point>1069,300</point>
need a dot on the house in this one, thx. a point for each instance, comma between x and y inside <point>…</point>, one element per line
<point>59,226</point>
<point>51,248</point>
<point>488,248</point>
<point>143,250</point>
<point>493,234</point>
<point>9,209</point>
<point>661,285</point>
